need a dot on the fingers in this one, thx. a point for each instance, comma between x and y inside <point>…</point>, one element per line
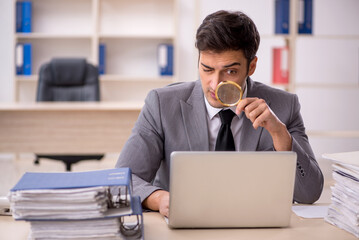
<point>164,204</point>
<point>256,110</point>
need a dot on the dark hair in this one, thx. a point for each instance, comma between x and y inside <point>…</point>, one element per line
<point>223,30</point>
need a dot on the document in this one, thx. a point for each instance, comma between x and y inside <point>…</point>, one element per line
<point>310,211</point>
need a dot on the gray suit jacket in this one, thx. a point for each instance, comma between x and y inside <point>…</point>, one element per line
<point>174,119</point>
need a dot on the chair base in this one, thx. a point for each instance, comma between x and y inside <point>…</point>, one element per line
<point>68,160</point>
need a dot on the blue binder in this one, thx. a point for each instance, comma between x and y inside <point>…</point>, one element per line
<point>66,180</point>
<point>26,16</point>
<point>27,59</point>
<point>282,16</point>
<point>18,16</point>
<point>306,23</point>
<point>165,59</point>
<point>102,59</point>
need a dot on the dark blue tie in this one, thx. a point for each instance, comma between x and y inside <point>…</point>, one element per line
<point>225,141</point>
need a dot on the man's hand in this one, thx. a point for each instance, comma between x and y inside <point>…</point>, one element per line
<point>261,115</point>
<point>158,201</point>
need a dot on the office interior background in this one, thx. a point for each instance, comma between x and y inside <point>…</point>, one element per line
<point>323,66</point>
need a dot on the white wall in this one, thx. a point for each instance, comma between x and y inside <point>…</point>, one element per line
<point>6,48</point>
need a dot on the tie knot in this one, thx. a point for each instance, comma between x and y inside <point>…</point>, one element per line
<point>226,116</point>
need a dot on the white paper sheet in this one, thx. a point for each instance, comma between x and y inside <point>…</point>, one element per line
<point>310,211</point>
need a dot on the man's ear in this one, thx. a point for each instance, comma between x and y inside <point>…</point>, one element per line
<point>252,66</point>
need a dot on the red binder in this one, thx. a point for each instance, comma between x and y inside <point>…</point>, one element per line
<point>280,65</point>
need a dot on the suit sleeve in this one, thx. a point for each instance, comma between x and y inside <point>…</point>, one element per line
<point>309,178</point>
<point>143,150</point>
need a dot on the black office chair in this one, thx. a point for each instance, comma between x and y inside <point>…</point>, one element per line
<point>68,79</point>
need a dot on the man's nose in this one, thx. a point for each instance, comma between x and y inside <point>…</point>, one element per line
<point>216,79</point>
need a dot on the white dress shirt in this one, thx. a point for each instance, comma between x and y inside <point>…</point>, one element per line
<point>214,123</point>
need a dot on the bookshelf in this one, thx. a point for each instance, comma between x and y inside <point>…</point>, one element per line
<point>131,31</point>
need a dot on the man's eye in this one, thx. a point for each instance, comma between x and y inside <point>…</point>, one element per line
<point>231,72</point>
<point>207,70</point>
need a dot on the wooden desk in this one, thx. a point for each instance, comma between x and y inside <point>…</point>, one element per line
<point>70,128</point>
<point>157,229</point>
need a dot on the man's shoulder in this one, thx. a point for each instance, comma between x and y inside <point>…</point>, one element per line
<point>177,90</point>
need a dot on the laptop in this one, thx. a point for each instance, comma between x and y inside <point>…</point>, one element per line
<point>231,189</point>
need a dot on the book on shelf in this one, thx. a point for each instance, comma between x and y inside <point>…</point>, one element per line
<point>102,59</point>
<point>94,204</point>
<point>165,59</point>
<point>280,68</point>
<point>23,16</point>
<point>281,16</point>
<point>344,209</point>
<point>305,16</point>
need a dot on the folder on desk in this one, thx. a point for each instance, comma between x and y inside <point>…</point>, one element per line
<point>68,201</point>
<point>121,226</point>
<point>344,210</point>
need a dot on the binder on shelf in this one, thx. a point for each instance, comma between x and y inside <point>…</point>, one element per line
<point>27,50</point>
<point>280,65</point>
<point>18,16</point>
<point>165,59</point>
<point>281,16</point>
<point>26,16</point>
<point>305,17</point>
<point>102,59</point>
<point>19,58</point>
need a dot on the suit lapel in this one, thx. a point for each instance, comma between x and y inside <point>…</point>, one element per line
<point>250,136</point>
<point>194,118</point>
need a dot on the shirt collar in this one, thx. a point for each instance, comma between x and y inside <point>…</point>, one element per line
<point>212,111</point>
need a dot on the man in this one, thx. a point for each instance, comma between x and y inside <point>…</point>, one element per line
<point>185,116</point>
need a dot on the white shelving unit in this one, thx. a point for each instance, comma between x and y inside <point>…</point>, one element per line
<point>131,31</point>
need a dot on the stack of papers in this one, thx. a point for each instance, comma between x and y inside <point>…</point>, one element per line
<point>344,210</point>
<point>78,205</point>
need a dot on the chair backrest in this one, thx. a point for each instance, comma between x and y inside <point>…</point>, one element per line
<point>68,79</point>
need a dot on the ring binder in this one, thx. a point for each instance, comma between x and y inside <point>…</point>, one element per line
<point>64,205</point>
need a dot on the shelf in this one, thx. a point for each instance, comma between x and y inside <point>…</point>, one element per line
<point>26,78</point>
<point>136,36</point>
<point>328,37</point>
<point>121,78</point>
<point>52,36</point>
<point>327,85</point>
<point>334,134</point>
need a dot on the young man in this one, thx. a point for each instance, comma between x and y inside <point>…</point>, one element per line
<point>185,116</point>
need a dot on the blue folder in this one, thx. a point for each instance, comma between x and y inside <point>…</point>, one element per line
<point>26,16</point>
<point>18,16</point>
<point>281,16</point>
<point>165,59</point>
<point>305,27</point>
<point>27,58</point>
<point>66,180</point>
<point>27,50</point>
<point>102,59</point>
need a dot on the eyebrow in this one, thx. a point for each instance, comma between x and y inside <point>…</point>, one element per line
<point>226,66</point>
<point>232,64</point>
